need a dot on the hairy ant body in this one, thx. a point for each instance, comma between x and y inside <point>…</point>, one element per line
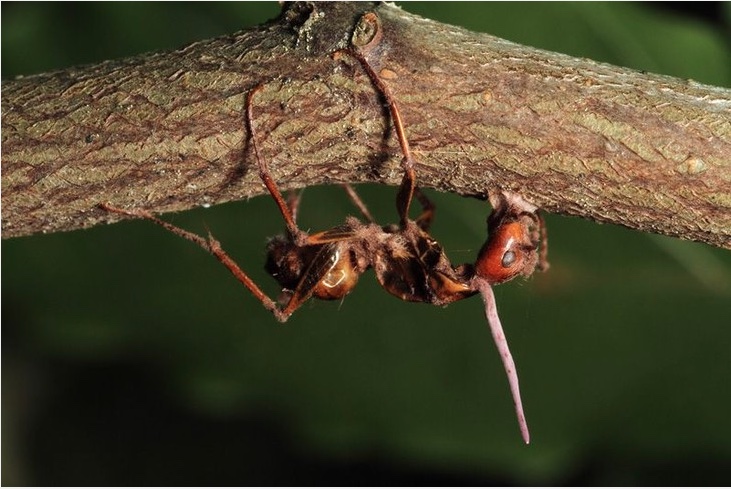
<point>407,261</point>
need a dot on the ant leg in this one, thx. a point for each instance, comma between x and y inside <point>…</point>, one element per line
<point>543,264</point>
<point>427,213</point>
<point>408,182</point>
<point>405,195</point>
<point>212,246</point>
<point>298,235</point>
<point>293,202</point>
<point>355,198</point>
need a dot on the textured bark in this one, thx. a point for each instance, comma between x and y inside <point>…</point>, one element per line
<point>165,131</point>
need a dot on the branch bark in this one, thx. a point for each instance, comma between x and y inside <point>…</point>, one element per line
<point>165,131</point>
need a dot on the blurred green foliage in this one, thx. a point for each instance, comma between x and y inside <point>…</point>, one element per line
<point>132,357</point>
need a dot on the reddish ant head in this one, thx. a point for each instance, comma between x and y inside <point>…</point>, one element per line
<point>515,229</point>
<point>507,254</point>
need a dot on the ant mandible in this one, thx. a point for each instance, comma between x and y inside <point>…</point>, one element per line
<point>407,261</point>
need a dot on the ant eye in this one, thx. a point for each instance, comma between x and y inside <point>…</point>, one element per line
<point>508,259</point>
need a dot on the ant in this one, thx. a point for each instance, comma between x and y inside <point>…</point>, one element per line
<point>407,261</point>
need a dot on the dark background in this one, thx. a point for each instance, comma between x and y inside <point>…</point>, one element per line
<point>131,357</point>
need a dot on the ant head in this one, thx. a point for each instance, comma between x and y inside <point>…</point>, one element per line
<point>514,229</point>
<point>509,252</point>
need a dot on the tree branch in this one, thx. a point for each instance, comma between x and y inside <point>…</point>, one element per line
<point>165,131</point>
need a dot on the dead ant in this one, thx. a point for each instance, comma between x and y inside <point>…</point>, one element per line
<point>407,261</point>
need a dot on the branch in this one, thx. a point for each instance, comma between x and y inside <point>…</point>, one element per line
<point>165,131</point>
